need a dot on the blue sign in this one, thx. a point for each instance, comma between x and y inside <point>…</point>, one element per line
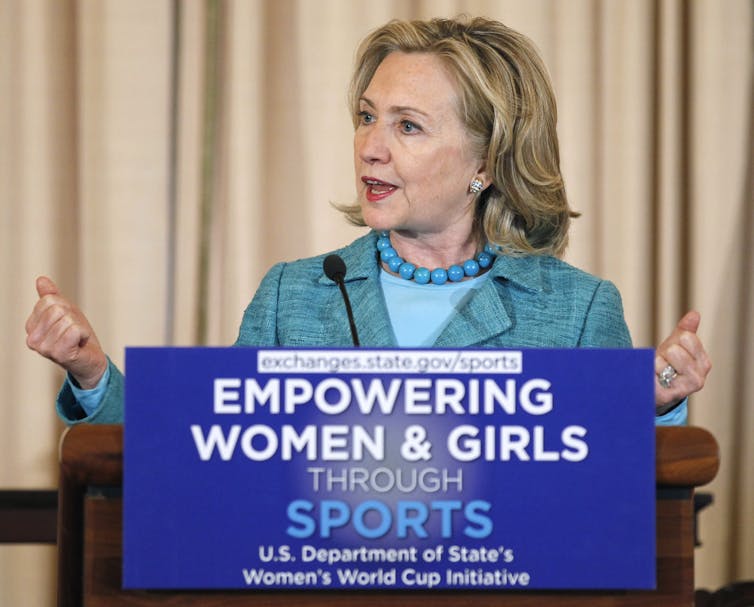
<point>389,469</point>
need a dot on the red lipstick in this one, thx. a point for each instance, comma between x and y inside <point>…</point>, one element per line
<point>376,189</point>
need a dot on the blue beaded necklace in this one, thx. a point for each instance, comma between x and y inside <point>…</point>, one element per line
<point>438,276</point>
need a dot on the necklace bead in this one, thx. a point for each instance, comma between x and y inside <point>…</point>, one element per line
<point>438,276</point>
<point>422,276</point>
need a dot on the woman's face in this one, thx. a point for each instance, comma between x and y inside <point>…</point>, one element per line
<point>412,156</point>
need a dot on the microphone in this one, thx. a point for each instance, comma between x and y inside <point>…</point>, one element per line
<point>335,270</point>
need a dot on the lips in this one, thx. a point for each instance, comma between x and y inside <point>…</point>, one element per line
<point>376,189</point>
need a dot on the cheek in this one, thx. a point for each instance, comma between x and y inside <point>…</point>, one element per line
<point>431,169</point>
<point>355,151</point>
<point>445,172</point>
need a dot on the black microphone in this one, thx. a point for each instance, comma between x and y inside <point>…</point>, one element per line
<point>335,270</point>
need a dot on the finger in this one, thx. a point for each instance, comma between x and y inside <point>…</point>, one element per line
<point>40,322</point>
<point>685,334</point>
<point>47,328</point>
<point>45,286</point>
<point>46,313</point>
<point>70,343</point>
<point>48,324</point>
<point>690,321</point>
<point>674,363</point>
<point>43,306</point>
<point>692,367</point>
<point>680,359</point>
<point>47,342</point>
<point>660,362</point>
<point>39,312</point>
<point>62,342</point>
<point>693,345</point>
<point>44,340</point>
<point>691,373</point>
<point>673,393</point>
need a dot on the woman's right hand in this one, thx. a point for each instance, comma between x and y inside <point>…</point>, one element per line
<point>58,330</point>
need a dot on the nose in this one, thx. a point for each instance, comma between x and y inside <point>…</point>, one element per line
<point>371,145</point>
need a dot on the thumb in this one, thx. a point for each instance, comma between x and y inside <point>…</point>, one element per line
<point>690,322</point>
<point>46,286</point>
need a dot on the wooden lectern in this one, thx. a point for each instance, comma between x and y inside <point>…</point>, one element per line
<point>90,542</point>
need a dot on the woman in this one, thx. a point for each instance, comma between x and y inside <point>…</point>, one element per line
<point>457,173</point>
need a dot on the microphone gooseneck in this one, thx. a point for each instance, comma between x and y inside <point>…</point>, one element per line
<point>335,270</point>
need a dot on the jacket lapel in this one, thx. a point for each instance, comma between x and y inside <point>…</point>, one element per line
<point>485,316</point>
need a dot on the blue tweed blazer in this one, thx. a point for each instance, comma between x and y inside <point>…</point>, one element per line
<point>528,302</point>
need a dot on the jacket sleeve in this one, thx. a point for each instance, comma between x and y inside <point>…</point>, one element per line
<point>109,411</point>
<point>604,324</point>
<point>259,323</point>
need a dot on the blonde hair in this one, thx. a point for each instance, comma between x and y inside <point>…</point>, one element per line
<point>508,106</point>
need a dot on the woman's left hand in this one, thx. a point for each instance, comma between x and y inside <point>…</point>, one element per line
<point>681,364</point>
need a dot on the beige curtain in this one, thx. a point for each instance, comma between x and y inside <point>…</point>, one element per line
<point>157,156</point>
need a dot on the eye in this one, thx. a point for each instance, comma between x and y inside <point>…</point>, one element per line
<point>365,117</point>
<point>409,127</point>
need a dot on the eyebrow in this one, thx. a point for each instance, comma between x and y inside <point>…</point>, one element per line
<point>397,109</point>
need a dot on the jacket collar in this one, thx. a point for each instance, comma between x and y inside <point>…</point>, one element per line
<point>524,271</point>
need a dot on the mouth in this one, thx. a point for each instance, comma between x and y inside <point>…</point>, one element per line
<point>376,189</point>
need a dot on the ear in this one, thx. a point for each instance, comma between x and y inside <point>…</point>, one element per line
<point>482,175</point>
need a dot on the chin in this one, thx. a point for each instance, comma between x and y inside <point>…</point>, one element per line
<point>376,222</point>
<point>378,227</point>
